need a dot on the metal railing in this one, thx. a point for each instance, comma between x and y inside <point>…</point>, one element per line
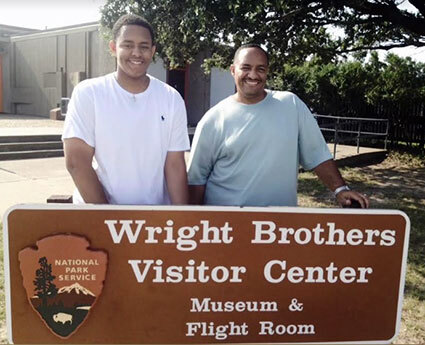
<point>352,128</point>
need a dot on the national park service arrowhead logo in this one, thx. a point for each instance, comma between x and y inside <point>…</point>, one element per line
<point>63,279</point>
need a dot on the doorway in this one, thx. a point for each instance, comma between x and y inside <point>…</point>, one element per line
<point>178,79</point>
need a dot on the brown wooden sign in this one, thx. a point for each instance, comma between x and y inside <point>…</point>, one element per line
<point>192,275</point>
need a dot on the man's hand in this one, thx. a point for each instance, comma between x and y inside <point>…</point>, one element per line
<point>353,199</point>
<point>329,174</point>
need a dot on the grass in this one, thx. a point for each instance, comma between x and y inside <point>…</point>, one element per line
<point>396,183</point>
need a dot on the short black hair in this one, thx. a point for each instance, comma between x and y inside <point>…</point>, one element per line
<point>250,45</point>
<point>131,19</point>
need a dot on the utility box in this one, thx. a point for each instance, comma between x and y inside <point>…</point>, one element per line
<point>64,105</point>
<point>55,114</point>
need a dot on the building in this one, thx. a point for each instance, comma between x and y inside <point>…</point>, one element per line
<point>41,67</point>
<point>6,31</point>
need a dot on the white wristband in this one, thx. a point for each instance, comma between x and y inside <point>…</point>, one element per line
<point>340,189</point>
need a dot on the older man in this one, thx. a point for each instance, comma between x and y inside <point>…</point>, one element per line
<point>247,149</point>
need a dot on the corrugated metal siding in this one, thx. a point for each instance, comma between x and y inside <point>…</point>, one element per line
<point>33,58</point>
<point>75,60</point>
<point>47,67</point>
<point>101,61</point>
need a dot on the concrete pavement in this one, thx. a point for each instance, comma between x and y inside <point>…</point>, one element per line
<point>11,124</point>
<point>32,181</point>
<point>35,180</point>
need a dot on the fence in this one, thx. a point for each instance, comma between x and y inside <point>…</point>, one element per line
<point>406,120</point>
<point>348,129</point>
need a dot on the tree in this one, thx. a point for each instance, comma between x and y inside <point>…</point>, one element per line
<point>178,38</point>
<point>43,282</point>
<point>291,30</point>
<point>353,88</point>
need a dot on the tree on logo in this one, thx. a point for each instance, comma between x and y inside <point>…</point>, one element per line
<point>43,282</point>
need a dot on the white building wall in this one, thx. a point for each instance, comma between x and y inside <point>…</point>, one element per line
<point>157,70</point>
<point>5,51</point>
<point>222,85</point>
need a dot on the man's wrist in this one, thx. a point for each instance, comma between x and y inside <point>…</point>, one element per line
<point>341,189</point>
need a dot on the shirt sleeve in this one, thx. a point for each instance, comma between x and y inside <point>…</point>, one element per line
<point>179,137</point>
<point>313,149</point>
<point>80,118</point>
<point>201,155</point>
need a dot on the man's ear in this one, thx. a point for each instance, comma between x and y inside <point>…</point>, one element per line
<point>113,48</point>
<point>153,50</point>
<point>232,69</point>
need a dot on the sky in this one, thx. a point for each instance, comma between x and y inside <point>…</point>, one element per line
<point>48,14</point>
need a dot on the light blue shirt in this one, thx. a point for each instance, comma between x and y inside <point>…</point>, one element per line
<point>249,155</point>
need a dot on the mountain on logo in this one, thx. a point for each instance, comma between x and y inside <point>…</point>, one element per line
<point>76,289</point>
<point>72,296</point>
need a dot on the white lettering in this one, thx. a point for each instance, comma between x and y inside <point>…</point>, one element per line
<point>370,235</point>
<point>265,233</point>
<point>125,228</point>
<point>274,272</point>
<point>387,238</point>
<point>333,232</point>
<point>140,277</point>
<point>207,306</point>
<point>185,236</point>
<point>219,332</point>
<point>261,231</point>
<point>354,237</point>
<point>192,273</point>
<point>269,328</point>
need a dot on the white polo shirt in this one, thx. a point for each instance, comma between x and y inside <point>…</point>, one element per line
<point>131,135</point>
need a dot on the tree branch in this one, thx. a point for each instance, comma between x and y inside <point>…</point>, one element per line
<point>389,12</point>
<point>384,47</point>
<point>298,11</point>
<point>323,21</point>
<point>420,5</point>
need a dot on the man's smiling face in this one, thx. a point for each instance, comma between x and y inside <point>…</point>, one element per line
<point>134,51</point>
<point>250,73</point>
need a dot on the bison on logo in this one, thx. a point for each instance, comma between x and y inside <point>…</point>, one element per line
<point>63,279</point>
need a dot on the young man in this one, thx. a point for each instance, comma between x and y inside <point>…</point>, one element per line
<point>247,149</point>
<point>133,125</point>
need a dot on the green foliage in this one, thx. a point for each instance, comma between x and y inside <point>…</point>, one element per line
<point>404,79</point>
<point>291,30</point>
<point>352,87</point>
<point>176,24</point>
